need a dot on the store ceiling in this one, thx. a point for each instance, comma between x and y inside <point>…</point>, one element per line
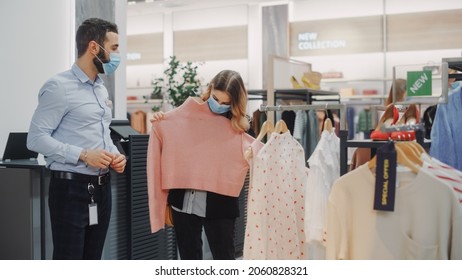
<point>137,7</point>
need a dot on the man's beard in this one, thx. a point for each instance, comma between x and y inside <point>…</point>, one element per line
<point>98,63</point>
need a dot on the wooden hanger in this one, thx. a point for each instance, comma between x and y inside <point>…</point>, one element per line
<point>409,152</point>
<point>267,127</point>
<point>328,125</point>
<point>405,161</point>
<point>327,122</point>
<point>420,150</point>
<point>401,159</point>
<point>281,127</point>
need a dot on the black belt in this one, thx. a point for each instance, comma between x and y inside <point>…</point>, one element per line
<point>97,180</point>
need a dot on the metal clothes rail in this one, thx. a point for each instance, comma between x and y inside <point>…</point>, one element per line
<point>341,107</point>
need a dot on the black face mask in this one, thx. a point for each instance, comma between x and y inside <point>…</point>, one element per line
<point>99,64</point>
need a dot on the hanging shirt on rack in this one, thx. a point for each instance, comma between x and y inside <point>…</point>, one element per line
<point>444,172</point>
<point>312,133</point>
<point>275,212</point>
<point>289,118</point>
<point>426,222</point>
<point>350,115</point>
<point>324,170</point>
<point>446,131</point>
<point>364,121</point>
<point>300,124</point>
<point>138,121</point>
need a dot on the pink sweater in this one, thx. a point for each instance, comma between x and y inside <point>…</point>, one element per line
<point>193,148</point>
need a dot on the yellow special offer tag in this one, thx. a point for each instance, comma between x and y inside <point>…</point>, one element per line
<point>385,178</point>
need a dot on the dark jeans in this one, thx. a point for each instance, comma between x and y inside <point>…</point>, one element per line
<point>219,232</point>
<point>73,238</point>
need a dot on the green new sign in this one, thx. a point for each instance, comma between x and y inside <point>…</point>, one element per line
<point>419,83</point>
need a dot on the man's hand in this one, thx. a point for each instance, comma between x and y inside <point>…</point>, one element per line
<point>118,163</point>
<point>97,158</point>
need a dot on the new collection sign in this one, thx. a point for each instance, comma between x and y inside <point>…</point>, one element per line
<point>419,83</point>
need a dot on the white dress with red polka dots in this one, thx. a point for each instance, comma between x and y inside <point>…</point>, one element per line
<point>275,211</point>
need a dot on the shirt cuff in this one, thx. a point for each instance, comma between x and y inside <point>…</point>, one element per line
<point>73,154</point>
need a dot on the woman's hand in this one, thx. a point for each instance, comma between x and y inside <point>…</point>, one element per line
<point>158,116</point>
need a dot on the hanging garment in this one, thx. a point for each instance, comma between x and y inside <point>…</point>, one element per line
<point>138,121</point>
<point>428,119</point>
<point>300,125</point>
<point>360,157</point>
<point>313,134</point>
<point>256,121</point>
<point>426,222</point>
<point>289,118</point>
<point>275,212</point>
<point>324,170</point>
<point>350,115</point>
<point>444,172</point>
<point>446,132</point>
<point>364,121</point>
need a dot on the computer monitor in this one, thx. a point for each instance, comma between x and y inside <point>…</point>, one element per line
<point>16,147</point>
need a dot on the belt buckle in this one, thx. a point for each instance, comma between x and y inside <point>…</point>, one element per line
<point>100,180</point>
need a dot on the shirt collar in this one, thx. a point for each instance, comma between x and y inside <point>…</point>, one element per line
<point>83,77</point>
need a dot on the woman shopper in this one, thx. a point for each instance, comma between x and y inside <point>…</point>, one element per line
<point>196,163</point>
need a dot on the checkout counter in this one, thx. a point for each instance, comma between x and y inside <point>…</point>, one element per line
<point>26,230</point>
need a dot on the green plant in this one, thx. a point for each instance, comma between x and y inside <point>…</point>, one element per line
<point>181,81</point>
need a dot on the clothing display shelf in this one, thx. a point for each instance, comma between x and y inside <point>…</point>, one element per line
<point>381,84</point>
<point>256,94</point>
<point>309,96</point>
<point>455,64</point>
<point>372,144</point>
<point>305,94</point>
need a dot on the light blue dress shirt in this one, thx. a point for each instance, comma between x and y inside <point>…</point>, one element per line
<point>73,114</point>
<point>446,131</point>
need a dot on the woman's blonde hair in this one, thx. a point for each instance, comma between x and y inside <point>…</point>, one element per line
<point>231,83</point>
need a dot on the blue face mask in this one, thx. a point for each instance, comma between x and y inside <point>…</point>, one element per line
<point>216,107</point>
<point>114,61</point>
<point>111,66</point>
<point>455,85</point>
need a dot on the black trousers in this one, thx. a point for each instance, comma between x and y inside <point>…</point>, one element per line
<point>219,232</point>
<point>73,237</point>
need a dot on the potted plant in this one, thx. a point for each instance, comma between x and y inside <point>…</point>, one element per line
<point>180,81</point>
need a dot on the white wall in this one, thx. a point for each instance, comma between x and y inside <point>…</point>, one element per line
<point>371,65</point>
<point>139,77</point>
<point>37,39</point>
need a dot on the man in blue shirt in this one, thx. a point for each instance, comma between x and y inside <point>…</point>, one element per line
<point>70,127</point>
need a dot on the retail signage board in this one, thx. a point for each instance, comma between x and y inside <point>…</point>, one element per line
<point>419,83</point>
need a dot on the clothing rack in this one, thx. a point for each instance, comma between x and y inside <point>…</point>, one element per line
<point>328,106</point>
<point>406,127</point>
<point>256,94</point>
<point>373,145</point>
